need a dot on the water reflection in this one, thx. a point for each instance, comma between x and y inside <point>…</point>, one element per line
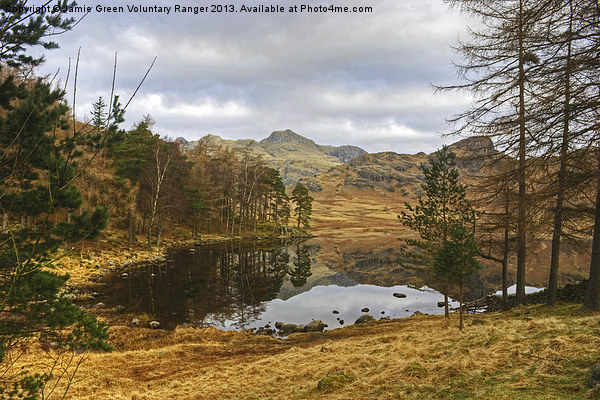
<point>225,285</point>
<point>239,285</point>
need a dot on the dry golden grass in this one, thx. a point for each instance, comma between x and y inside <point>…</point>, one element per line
<point>530,353</point>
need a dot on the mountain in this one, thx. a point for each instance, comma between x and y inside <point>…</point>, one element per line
<point>295,156</point>
<point>389,172</point>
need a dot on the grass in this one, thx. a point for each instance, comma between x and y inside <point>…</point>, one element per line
<point>538,353</point>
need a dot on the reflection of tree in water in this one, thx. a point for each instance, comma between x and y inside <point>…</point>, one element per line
<point>301,271</point>
<point>222,285</point>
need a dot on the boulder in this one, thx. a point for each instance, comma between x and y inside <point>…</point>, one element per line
<point>399,295</point>
<point>315,326</point>
<point>135,322</point>
<point>287,328</point>
<point>154,324</point>
<point>366,309</point>
<point>441,304</point>
<point>363,319</point>
<point>595,378</point>
<point>335,312</point>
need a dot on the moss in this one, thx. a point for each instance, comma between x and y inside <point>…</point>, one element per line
<point>334,381</point>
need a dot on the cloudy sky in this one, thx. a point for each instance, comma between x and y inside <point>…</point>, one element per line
<point>338,78</point>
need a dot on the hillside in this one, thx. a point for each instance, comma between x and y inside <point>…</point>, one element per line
<point>356,207</point>
<point>293,155</point>
<point>368,192</point>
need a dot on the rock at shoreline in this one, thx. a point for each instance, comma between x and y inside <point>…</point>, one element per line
<point>366,309</point>
<point>287,328</point>
<point>315,326</point>
<point>399,295</point>
<point>363,319</point>
<point>154,324</point>
<point>135,322</point>
<point>335,312</point>
<point>441,304</point>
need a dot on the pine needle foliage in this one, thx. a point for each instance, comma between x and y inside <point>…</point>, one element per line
<point>442,210</point>
<point>38,167</point>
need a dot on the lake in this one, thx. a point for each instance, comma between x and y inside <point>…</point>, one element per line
<point>243,285</point>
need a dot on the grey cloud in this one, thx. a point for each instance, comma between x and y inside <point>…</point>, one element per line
<point>361,79</point>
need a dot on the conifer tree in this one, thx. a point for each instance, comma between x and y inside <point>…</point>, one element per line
<point>455,260</point>
<point>303,202</point>
<point>443,206</point>
<point>37,170</point>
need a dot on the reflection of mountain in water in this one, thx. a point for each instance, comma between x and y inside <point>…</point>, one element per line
<point>338,279</point>
<point>379,265</point>
<point>235,284</point>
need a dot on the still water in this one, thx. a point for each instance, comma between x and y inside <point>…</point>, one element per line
<point>242,285</point>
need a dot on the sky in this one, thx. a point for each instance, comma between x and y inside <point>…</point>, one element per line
<point>362,79</point>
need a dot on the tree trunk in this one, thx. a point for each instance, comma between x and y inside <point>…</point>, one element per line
<point>505,253</point>
<point>150,226</point>
<point>592,298</point>
<point>446,310</point>
<point>4,221</point>
<point>460,289</point>
<point>161,221</point>
<point>522,201</point>
<point>131,227</point>
<point>562,177</point>
<point>195,225</point>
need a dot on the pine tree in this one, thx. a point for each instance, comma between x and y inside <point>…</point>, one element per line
<point>99,114</point>
<point>131,156</point>
<point>303,208</point>
<point>37,170</point>
<point>443,206</point>
<point>455,260</point>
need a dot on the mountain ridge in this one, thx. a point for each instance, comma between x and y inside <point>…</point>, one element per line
<point>300,159</point>
<point>293,155</point>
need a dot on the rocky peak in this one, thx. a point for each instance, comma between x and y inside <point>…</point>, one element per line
<point>473,152</point>
<point>343,153</point>
<point>479,145</point>
<point>181,141</point>
<point>288,136</point>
